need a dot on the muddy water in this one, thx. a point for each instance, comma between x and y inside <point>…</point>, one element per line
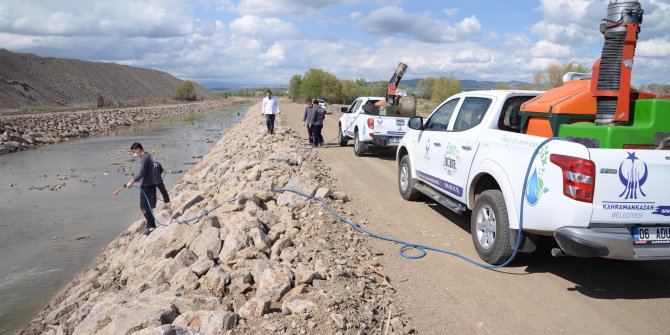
<point>57,211</point>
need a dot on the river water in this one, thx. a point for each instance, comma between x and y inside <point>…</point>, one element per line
<point>57,211</point>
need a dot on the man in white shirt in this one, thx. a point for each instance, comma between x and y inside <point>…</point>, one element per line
<point>270,108</point>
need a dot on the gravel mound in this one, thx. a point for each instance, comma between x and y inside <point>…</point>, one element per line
<point>30,80</point>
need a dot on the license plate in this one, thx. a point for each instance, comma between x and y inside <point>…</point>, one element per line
<point>651,235</point>
<point>394,140</point>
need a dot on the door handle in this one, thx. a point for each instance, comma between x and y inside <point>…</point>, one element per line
<point>437,144</point>
<point>466,147</point>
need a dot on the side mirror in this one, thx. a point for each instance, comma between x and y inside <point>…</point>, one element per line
<point>344,109</point>
<point>415,122</point>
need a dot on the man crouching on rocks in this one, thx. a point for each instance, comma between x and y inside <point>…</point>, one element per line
<point>148,187</point>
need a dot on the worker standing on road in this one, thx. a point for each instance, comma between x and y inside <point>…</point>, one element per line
<point>270,108</point>
<point>315,117</point>
<point>309,106</point>
<point>148,188</point>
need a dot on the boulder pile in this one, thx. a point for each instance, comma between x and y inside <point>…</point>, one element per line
<point>257,261</point>
<point>27,131</point>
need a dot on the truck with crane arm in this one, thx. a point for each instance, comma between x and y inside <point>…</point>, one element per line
<point>586,163</point>
<point>377,121</point>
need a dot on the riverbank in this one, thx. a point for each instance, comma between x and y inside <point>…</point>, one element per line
<point>263,262</point>
<point>20,132</point>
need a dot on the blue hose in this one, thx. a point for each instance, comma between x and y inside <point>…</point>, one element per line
<point>422,248</point>
<point>186,222</point>
<point>404,245</point>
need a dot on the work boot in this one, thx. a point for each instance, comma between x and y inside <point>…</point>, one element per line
<point>148,230</point>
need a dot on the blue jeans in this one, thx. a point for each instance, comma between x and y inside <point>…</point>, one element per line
<point>270,123</point>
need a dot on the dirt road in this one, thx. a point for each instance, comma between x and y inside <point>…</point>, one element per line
<point>446,295</point>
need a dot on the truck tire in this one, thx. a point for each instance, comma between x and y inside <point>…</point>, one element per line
<point>360,147</point>
<point>343,138</point>
<point>405,180</point>
<point>489,226</point>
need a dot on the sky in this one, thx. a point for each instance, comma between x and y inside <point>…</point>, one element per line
<point>264,42</point>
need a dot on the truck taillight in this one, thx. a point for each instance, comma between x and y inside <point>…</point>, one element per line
<point>579,176</point>
<point>371,123</point>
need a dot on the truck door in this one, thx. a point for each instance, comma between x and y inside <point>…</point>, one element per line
<point>350,117</point>
<point>460,144</point>
<point>430,144</point>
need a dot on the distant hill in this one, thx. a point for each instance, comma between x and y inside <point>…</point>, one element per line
<point>30,80</point>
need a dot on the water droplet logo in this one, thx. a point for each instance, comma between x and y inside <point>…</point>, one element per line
<point>535,188</point>
<point>531,192</point>
<point>633,180</point>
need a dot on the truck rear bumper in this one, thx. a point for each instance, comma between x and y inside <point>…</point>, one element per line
<point>385,140</point>
<point>615,243</point>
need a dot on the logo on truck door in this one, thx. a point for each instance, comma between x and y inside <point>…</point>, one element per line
<point>634,178</point>
<point>535,188</point>
<point>451,159</point>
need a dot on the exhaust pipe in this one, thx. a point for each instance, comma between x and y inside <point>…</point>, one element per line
<point>620,30</point>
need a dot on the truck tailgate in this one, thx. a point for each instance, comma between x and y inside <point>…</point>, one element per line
<point>632,186</point>
<point>390,126</point>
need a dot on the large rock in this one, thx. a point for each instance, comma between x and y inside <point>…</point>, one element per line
<point>274,283</point>
<point>123,315</point>
<point>207,322</point>
<point>255,307</point>
<point>165,330</point>
<point>236,240</point>
<point>215,281</point>
<point>185,279</point>
<point>207,244</point>
<point>298,306</point>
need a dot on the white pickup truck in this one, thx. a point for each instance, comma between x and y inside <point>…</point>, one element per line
<point>469,155</point>
<point>368,127</point>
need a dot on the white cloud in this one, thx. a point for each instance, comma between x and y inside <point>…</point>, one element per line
<point>83,18</point>
<point>582,12</point>
<point>355,15</point>
<point>657,48</point>
<point>572,33</point>
<point>394,20</point>
<point>450,11</point>
<point>546,49</point>
<point>283,7</point>
<point>656,22</point>
<point>264,28</point>
<point>473,56</point>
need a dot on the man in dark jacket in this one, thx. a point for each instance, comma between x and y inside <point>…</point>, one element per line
<point>308,108</point>
<point>145,173</point>
<point>315,119</point>
<point>158,181</point>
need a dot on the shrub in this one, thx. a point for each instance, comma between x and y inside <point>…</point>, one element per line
<point>185,91</point>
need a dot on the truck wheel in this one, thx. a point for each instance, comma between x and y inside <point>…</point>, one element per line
<point>405,180</point>
<point>343,139</point>
<point>490,228</point>
<point>359,146</point>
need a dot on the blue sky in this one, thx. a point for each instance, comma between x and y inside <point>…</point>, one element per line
<point>266,42</point>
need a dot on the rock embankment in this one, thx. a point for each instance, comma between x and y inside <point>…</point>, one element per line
<point>27,131</point>
<point>262,263</point>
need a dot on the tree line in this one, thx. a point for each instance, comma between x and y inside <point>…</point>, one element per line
<point>317,83</point>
